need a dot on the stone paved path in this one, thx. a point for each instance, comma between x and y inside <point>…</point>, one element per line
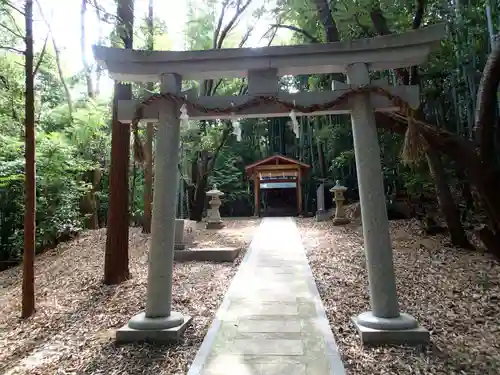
<point>272,321</point>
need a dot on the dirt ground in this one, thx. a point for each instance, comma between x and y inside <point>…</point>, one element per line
<point>196,236</point>
<point>453,293</point>
<point>72,330</point>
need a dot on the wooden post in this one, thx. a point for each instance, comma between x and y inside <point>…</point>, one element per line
<point>28,288</point>
<point>299,191</point>
<point>116,254</point>
<point>256,189</point>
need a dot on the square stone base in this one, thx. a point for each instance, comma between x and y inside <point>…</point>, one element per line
<point>410,337</point>
<point>210,225</point>
<point>179,246</point>
<point>341,221</point>
<point>128,335</point>
<point>322,215</point>
<point>223,254</point>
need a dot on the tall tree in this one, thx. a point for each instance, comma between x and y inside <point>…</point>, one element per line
<point>28,300</point>
<point>447,205</point>
<point>116,257</point>
<point>203,161</point>
<point>57,57</point>
<point>148,165</point>
<point>87,71</point>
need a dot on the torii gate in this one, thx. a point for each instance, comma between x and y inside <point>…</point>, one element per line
<point>263,66</point>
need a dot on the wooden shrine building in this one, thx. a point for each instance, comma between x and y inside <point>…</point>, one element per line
<point>277,185</point>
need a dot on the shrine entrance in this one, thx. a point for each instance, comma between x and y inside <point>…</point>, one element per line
<point>279,199</point>
<point>360,96</point>
<point>277,186</point>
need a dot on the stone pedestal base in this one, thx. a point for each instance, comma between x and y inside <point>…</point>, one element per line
<point>398,331</point>
<point>153,330</point>
<point>179,235</point>
<point>214,225</point>
<point>223,254</point>
<point>341,221</point>
<point>322,215</point>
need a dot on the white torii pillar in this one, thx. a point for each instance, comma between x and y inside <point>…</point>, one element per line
<point>158,323</point>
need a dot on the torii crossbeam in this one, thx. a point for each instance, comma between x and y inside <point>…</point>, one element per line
<point>262,67</point>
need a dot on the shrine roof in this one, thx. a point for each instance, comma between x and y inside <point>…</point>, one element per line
<point>275,160</point>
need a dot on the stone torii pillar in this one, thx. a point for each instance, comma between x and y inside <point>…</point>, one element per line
<point>384,324</point>
<point>158,323</point>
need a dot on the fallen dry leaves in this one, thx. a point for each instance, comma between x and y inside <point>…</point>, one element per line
<point>453,293</point>
<point>197,237</point>
<point>72,330</point>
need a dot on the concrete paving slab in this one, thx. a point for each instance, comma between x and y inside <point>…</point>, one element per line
<point>272,320</point>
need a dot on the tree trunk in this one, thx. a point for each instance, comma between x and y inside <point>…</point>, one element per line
<point>465,191</point>
<point>116,257</point>
<point>201,167</point>
<point>199,177</point>
<point>100,39</point>
<point>61,78</point>
<point>148,165</point>
<point>319,145</point>
<point>148,180</point>
<point>132,193</point>
<point>449,209</point>
<point>486,115</point>
<point>87,71</point>
<point>198,204</point>
<point>326,19</point>
<point>89,204</point>
<point>28,293</point>
<point>485,180</point>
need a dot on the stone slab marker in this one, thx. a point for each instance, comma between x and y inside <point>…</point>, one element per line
<point>179,243</point>
<point>321,213</point>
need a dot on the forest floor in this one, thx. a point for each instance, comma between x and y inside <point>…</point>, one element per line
<point>73,328</point>
<point>453,293</point>
<point>197,237</point>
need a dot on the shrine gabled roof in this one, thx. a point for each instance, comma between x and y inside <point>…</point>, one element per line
<point>275,158</point>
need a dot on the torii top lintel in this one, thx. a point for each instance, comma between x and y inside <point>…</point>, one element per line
<point>379,53</point>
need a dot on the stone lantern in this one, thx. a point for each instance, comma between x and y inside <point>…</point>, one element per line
<point>338,197</point>
<point>214,220</point>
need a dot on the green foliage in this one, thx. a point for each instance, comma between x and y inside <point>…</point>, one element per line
<point>59,187</point>
<point>12,96</point>
<point>200,26</point>
<point>48,84</point>
<point>59,191</point>
<point>69,148</point>
<point>229,175</point>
